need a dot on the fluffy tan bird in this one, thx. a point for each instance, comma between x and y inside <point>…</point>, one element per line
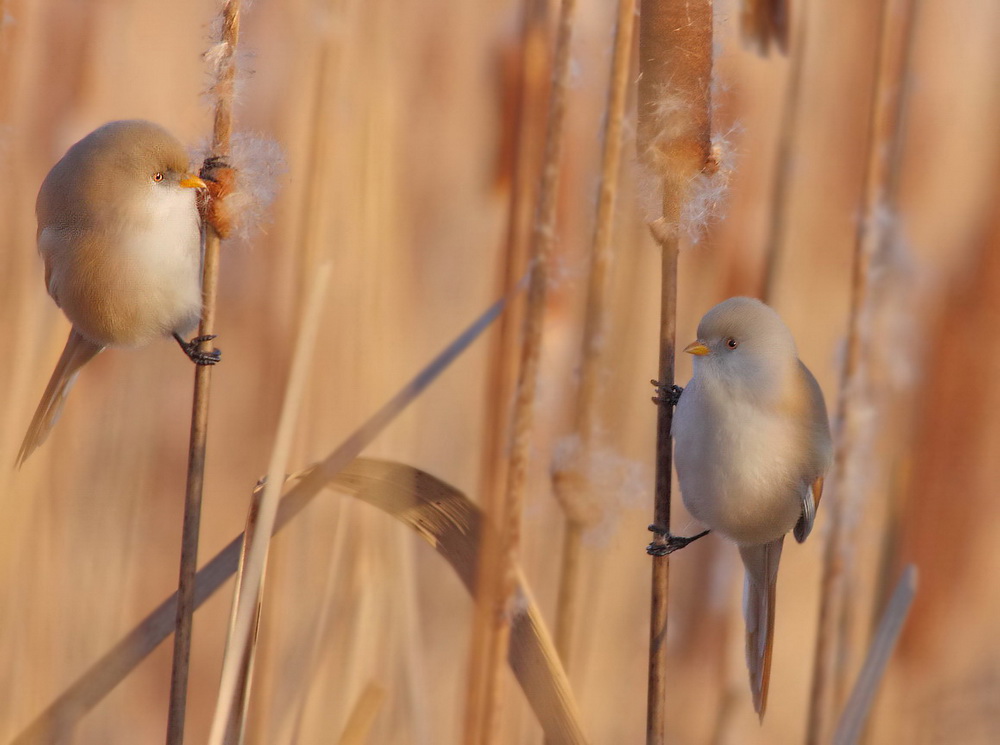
<point>752,445</point>
<point>120,234</point>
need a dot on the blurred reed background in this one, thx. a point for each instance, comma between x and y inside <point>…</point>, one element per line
<point>396,120</point>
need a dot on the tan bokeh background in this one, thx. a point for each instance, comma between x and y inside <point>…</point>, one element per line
<point>390,116</point>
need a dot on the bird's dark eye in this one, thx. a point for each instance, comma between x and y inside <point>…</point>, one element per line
<point>732,343</point>
<point>157,177</point>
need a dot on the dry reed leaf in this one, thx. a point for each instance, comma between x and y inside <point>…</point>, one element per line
<point>858,706</point>
<point>237,662</point>
<point>57,721</point>
<point>496,587</point>
<point>454,526</point>
<point>359,724</point>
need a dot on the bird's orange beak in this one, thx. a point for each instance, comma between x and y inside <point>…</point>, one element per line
<point>191,181</point>
<point>697,347</point>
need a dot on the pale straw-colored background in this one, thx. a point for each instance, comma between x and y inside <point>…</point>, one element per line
<point>390,116</point>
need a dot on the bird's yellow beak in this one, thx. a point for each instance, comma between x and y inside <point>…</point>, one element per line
<point>193,182</point>
<point>697,347</point>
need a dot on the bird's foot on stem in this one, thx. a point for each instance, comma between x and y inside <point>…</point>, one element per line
<point>666,395</point>
<point>666,544</point>
<point>196,355</point>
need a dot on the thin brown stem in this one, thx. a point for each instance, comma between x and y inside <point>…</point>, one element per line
<point>674,140</point>
<point>656,722</point>
<point>570,483</point>
<point>895,31</point>
<point>567,599</point>
<point>58,720</point>
<point>602,253</point>
<point>788,132</point>
<point>222,132</point>
<point>524,158</point>
<point>491,638</point>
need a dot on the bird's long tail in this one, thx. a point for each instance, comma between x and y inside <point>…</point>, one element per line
<point>77,353</point>
<point>761,563</point>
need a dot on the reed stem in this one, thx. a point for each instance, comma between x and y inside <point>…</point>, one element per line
<point>674,140</point>
<point>491,633</point>
<point>571,484</point>
<point>895,34</point>
<point>221,135</point>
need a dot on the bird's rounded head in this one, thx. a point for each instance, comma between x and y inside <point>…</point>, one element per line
<point>742,338</point>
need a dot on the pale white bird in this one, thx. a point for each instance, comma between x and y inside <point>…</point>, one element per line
<point>752,445</point>
<point>120,234</point>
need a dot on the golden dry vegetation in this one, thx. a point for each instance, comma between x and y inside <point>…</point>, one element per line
<point>396,123</point>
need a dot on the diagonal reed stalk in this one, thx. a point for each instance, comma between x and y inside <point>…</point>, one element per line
<point>363,714</point>
<point>236,726</point>
<point>221,135</point>
<point>878,196</point>
<point>497,580</point>
<point>674,141</point>
<point>448,520</point>
<point>855,715</point>
<point>237,661</point>
<point>58,720</point>
<point>570,482</point>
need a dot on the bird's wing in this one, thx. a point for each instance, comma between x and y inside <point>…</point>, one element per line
<point>759,586</point>
<point>818,453</point>
<point>47,239</point>
<point>810,503</point>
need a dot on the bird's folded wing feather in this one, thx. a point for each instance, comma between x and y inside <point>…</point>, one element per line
<point>77,352</point>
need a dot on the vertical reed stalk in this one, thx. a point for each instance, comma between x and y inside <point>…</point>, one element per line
<point>525,157</point>
<point>491,633</point>
<point>895,33</point>
<point>674,140</point>
<point>236,726</point>
<point>247,594</point>
<point>221,134</point>
<point>571,481</point>
<point>656,723</point>
<point>788,136</point>
<point>533,63</point>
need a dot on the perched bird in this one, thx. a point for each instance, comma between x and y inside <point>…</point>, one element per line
<point>752,445</point>
<point>120,234</point>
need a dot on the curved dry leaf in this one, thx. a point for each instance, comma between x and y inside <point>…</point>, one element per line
<point>56,722</point>
<point>440,514</point>
<point>454,526</point>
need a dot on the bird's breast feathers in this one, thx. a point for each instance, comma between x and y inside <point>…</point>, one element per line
<point>738,464</point>
<point>127,281</point>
